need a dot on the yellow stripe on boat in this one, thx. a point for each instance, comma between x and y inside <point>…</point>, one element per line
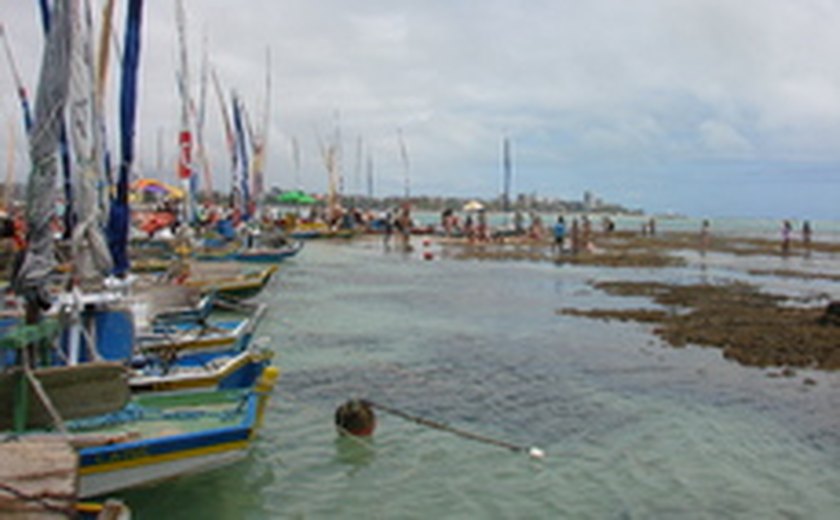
<point>149,460</point>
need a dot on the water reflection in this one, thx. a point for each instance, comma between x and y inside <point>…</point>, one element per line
<point>354,452</point>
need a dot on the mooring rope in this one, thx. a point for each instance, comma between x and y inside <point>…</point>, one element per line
<point>530,450</point>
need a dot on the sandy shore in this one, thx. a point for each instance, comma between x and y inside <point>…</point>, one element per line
<point>751,326</point>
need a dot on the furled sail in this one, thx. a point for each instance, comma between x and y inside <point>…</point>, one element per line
<point>119,218</point>
<point>91,257</point>
<point>50,99</point>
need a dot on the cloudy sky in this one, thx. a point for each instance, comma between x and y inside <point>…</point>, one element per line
<point>705,107</point>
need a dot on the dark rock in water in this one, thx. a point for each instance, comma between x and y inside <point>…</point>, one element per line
<point>832,314</point>
<point>355,417</point>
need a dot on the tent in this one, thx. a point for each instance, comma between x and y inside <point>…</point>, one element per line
<point>295,197</point>
<point>473,205</point>
<point>156,186</point>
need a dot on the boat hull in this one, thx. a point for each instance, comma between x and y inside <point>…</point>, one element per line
<point>114,467</point>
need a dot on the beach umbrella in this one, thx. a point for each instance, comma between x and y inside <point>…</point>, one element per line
<point>156,186</point>
<point>473,205</point>
<point>295,197</point>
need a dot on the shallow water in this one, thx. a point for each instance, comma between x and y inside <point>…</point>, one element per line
<point>631,428</point>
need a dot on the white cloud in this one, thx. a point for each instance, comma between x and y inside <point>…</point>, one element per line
<point>721,140</point>
<point>621,84</point>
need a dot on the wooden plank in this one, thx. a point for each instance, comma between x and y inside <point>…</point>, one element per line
<point>38,479</point>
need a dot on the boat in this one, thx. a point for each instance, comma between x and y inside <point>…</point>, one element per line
<point>177,339</point>
<point>232,369</point>
<point>234,287</point>
<point>160,436</point>
<point>172,435</point>
<point>316,230</point>
<point>268,255</point>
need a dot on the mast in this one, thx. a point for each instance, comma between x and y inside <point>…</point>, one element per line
<point>370,176</point>
<point>10,169</point>
<point>106,35</point>
<point>259,139</point>
<point>21,90</point>
<point>199,125</point>
<point>184,136</point>
<point>506,166</point>
<point>406,165</point>
<point>296,162</point>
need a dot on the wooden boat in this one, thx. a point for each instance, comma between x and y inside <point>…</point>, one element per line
<point>268,255</point>
<point>234,369</point>
<point>176,435</point>
<point>315,230</point>
<point>177,339</point>
<point>235,287</point>
<point>162,436</point>
<point>199,312</point>
<point>126,441</point>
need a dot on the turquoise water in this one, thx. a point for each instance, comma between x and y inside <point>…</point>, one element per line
<point>631,428</point>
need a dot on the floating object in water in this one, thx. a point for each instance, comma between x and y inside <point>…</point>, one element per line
<point>533,452</point>
<point>427,255</point>
<point>536,453</point>
<point>355,417</point>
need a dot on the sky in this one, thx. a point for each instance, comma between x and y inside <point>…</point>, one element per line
<point>708,108</point>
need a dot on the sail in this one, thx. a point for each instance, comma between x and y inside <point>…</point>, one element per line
<point>118,221</point>
<point>91,258</point>
<point>23,97</point>
<point>242,156</point>
<point>230,139</point>
<point>63,143</point>
<point>50,99</point>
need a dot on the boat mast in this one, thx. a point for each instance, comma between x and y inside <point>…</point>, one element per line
<point>184,136</point>
<point>404,155</point>
<point>506,165</point>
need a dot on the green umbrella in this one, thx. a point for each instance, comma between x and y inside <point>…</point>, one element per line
<point>295,197</point>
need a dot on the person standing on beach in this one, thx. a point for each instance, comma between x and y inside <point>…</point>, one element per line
<point>518,223</point>
<point>575,236</point>
<point>387,229</point>
<point>704,237</point>
<point>404,226</point>
<point>482,231</point>
<point>806,236</point>
<point>559,234</point>
<point>786,230</point>
<point>587,234</point>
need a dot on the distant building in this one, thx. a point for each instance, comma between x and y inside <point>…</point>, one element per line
<point>588,200</point>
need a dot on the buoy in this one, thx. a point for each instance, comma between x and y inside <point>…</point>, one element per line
<point>427,254</point>
<point>355,417</point>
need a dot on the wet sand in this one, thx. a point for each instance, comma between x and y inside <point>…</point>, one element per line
<point>751,326</point>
